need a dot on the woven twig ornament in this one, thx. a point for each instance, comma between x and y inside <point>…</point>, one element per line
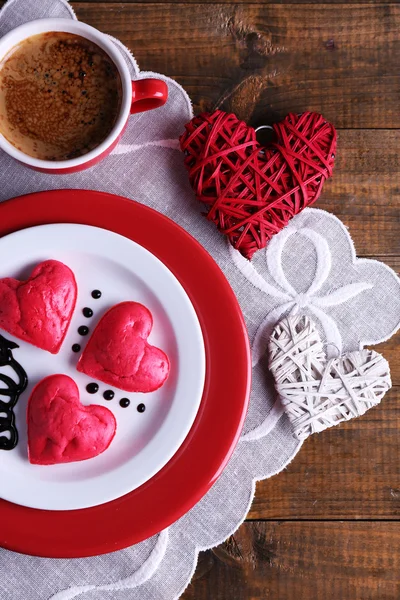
<point>318,393</point>
<point>250,191</point>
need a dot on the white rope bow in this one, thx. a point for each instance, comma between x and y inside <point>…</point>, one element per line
<point>293,301</point>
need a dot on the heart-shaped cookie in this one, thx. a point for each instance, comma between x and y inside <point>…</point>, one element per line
<point>39,310</point>
<point>251,192</point>
<point>60,428</point>
<point>118,352</point>
<point>318,393</point>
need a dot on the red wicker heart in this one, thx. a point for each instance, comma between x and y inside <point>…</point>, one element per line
<point>253,191</point>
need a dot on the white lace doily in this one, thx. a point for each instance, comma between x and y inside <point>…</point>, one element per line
<point>309,267</point>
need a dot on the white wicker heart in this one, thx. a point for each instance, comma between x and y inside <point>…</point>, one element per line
<point>318,393</point>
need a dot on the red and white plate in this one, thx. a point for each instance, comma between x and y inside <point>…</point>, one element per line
<point>144,442</point>
<point>164,460</point>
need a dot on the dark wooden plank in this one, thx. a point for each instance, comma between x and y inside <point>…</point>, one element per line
<point>364,191</point>
<point>390,351</point>
<point>317,561</point>
<point>392,261</point>
<point>244,1</point>
<point>348,472</point>
<point>265,60</point>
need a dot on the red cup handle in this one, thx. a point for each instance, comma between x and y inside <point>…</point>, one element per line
<point>148,94</point>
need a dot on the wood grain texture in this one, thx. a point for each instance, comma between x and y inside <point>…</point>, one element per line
<point>264,60</point>
<point>242,1</point>
<point>298,561</point>
<point>364,191</point>
<point>390,349</point>
<point>347,472</point>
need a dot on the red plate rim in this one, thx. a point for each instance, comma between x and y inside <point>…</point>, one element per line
<point>200,460</point>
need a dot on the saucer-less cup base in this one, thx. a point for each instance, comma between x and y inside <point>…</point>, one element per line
<point>137,96</point>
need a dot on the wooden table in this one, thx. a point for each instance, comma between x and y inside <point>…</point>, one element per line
<point>327,528</point>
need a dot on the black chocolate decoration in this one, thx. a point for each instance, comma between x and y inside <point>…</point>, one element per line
<point>141,408</point>
<point>96,294</point>
<point>12,391</point>
<point>124,402</point>
<point>76,348</point>
<point>92,388</point>
<point>108,395</point>
<point>87,312</point>
<point>83,330</point>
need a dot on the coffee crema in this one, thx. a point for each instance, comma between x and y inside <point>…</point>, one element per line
<point>60,96</point>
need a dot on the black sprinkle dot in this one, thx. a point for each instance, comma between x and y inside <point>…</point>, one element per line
<point>92,388</point>
<point>76,348</point>
<point>87,312</point>
<point>83,330</point>
<point>124,402</point>
<point>108,395</point>
<point>141,408</point>
<point>96,294</point>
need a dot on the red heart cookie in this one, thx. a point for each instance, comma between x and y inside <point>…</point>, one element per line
<point>118,352</point>
<point>39,310</point>
<point>252,191</point>
<point>60,428</point>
